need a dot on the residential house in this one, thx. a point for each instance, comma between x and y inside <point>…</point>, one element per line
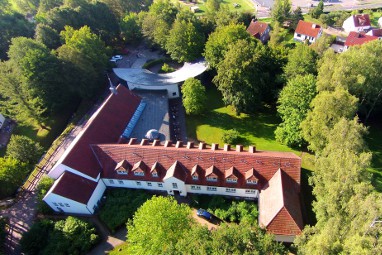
<point>375,32</point>
<point>356,38</point>
<point>259,30</point>
<point>307,31</point>
<point>357,23</point>
<point>100,157</point>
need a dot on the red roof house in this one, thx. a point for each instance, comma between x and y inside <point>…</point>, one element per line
<point>259,30</point>
<point>357,23</point>
<point>356,38</point>
<point>307,31</point>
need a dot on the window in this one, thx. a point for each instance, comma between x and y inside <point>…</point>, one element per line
<point>67,205</point>
<point>174,185</point>
<point>230,190</point>
<point>298,35</point>
<point>195,187</point>
<point>155,174</point>
<point>55,204</point>
<point>195,177</point>
<point>251,181</point>
<point>211,188</point>
<point>121,172</point>
<point>160,185</point>
<point>139,183</point>
<point>149,184</point>
<point>61,204</point>
<point>139,173</point>
<point>231,180</point>
<point>111,181</point>
<point>120,182</point>
<point>250,191</point>
<point>212,179</point>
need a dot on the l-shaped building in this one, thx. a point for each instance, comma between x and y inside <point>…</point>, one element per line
<point>103,155</point>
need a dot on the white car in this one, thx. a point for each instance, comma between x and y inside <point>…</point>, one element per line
<point>116,58</point>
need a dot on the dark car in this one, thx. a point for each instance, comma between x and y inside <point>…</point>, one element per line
<point>204,214</point>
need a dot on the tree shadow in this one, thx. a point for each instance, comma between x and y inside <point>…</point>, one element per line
<point>307,198</point>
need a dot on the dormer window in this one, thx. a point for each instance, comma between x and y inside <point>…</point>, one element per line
<point>122,167</point>
<point>212,179</point>
<point>139,169</point>
<point>121,172</point>
<point>195,177</point>
<point>231,180</point>
<point>136,173</point>
<point>154,174</point>
<point>253,181</point>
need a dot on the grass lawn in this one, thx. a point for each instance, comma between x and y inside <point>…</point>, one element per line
<point>243,5</point>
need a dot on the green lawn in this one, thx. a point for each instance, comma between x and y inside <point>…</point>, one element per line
<point>256,129</point>
<point>243,5</point>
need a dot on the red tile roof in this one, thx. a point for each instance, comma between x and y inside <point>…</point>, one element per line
<point>105,126</point>
<point>74,187</point>
<point>264,164</point>
<point>375,32</point>
<point>279,206</point>
<point>257,28</point>
<point>356,38</point>
<point>308,28</point>
<point>361,20</point>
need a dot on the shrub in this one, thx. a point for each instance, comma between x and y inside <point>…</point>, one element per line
<point>231,136</point>
<point>42,188</point>
<point>120,206</point>
<point>166,68</point>
<point>3,231</point>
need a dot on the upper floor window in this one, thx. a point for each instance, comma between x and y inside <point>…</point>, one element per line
<point>139,173</point>
<point>155,174</point>
<point>212,179</point>
<point>251,181</point>
<point>121,172</point>
<point>174,185</point>
<point>231,180</point>
<point>195,177</point>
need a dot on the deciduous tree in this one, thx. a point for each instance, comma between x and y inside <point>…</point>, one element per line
<point>281,10</point>
<point>12,174</point>
<point>293,105</point>
<point>194,96</point>
<point>24,149</point>
<point>301,61</point>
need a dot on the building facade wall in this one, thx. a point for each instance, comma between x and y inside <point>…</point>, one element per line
<point>147,185</point>
<point>222,191</point>
<point>63,204</point>
<point>172,90</point>
<point>96,196</point>
<point>173,184</point>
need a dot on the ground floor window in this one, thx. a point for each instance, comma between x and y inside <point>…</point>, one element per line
<point>111,181</point>
<point>211,188</point>
<point>195,187</point>
<point>174,185</point>
<point>230,190</point>
<point>160,185</point>
<point>139,183</point>
<point>250,191</point>
<point>120,182</point>
<point>149,184</point>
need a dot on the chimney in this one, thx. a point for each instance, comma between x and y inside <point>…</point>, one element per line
<point>202,146</point>
<point>227,147</point>
<point>314,25</point>
<point>178,144</point>
<point>252,149</point>
<point>214,146</point>
<point>239,148</point>
<point>156,142</point>
<point>190,145</point>
<point>144,142</point>
<point>132,141</point>
<point>167,143</point>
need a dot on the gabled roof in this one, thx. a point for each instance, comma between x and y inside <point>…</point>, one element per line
<point>257,28</point>
<point>212,170</point>
<point>140,166</point>
<point>196,170</point>
<point>361,20</point>
<point>123,165</point>
<point>177,171</point>
<point>356,38</point>
<point>308,28</point>
<point>232,173</point>
<point>279,206</point>
<point>74,187</point>
<point>375,32</point>
<point>105,126</point>
<point>250,174</point>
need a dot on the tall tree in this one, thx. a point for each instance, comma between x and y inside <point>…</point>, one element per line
<point>220,40</point>
<point>122,7</point>
<point>301,61</point>
<point>317,11</point>
<point>281,10</point>
<point>87,54</point>
<point>185,43</point>
<point>295,17</point>
<point>327,108</point>
<point>194,96</point>
<point>294,103</point>
<point>130,28</point>
<point>12,174</point>
<point>47,35</point>
<point>24,149</point>
<point>157,226</point>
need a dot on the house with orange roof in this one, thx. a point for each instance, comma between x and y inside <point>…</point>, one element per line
<point>356,38</point>
<point>104,155</point>
<point>307,31</point>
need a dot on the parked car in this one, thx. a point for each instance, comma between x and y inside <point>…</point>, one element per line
<point>116,58</point>
<point>204,214</point>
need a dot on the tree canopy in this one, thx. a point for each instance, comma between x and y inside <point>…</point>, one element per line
<point>24,149</point>
<point>12,174</point>
<point>194,96</point>
<point>281,10</point>
<point>301,61</point>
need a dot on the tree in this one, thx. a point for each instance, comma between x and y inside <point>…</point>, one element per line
<point>130,29</point>
<point>293,105</point>
<point>301,61</point>
<point>317,11</point>
<point>220,40</point>
<point>194,96</point>
<point>244,77</point>
<point>86,55</point>
<point>42,188</point>
<point>24,149</point>
<point>12,174</point>
<point>121,7</point>
<point>295,17</point>
<point>322,44</point>
<point>184,43</point>
<point>281,10</point>
<point>327,108</point>
<point>47,35</point>
<point>231,136</point>
<point>157,226</point>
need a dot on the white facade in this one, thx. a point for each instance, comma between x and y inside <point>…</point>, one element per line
<point>172,89</point>
<point>2,120</point>
<point>303,38</point>
<point>222,191</point>
<point>147,185</point>
<point>349,26</point>
<point>380,22</point>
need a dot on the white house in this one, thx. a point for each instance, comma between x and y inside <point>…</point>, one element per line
<point>307,31</point>
<point>357,23</point>
<point>2,120</point>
